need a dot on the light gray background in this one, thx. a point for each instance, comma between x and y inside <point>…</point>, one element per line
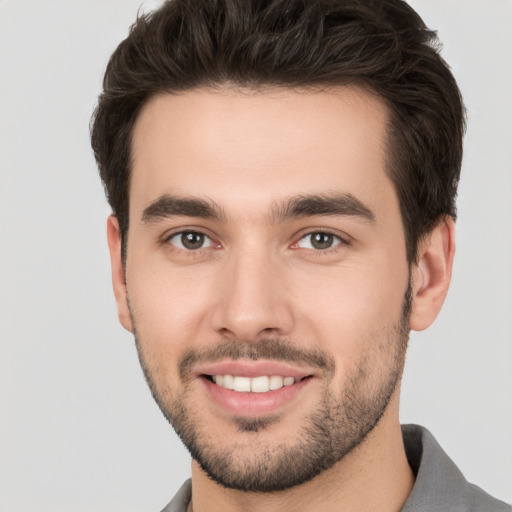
<point>78,428</point>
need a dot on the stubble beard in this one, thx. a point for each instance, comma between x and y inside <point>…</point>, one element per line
<point>337,425</point>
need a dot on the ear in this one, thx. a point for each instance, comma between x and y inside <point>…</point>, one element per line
<point>432,274</point>
<point>118,274</point>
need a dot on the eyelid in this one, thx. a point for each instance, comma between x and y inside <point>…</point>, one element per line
<point>166,238</point>
<point>344,239</point>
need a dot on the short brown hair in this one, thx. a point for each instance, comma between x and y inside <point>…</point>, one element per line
<point>382,45</point>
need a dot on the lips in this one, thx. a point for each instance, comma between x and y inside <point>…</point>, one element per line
<point>252,388</point>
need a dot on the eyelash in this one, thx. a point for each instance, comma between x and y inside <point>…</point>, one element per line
<point>188,252</point>
<point>342,242</point>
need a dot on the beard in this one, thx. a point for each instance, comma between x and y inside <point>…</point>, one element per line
<point>339,423</point>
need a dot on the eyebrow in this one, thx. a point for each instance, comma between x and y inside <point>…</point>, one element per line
<point>169,206</point>
<point>346,204</point>
<point>323,204</point>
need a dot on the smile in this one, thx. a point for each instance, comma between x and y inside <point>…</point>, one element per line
<point>253,388</point>
<point>260,384</point>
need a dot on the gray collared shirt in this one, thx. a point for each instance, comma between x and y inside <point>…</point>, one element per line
<point>439,486</point>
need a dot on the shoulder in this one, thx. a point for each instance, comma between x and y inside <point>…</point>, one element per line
<point>479,501</point>
<point>181,500</point>
<point>440,486</point>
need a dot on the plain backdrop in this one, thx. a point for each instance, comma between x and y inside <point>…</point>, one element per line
<point>78,428</point>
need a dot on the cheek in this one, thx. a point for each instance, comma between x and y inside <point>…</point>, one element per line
<point>167,307</point>
<point>354,306</point>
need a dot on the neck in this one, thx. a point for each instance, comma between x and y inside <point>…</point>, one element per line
<point>374,476</point>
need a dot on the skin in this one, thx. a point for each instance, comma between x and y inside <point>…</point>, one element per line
<point>259,276</point>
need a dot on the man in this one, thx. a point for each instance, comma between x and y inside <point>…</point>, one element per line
<point>283,176</point>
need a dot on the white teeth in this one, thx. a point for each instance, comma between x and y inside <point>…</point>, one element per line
<point>288,381</point>
<point>276,382</point>
<point>226,381</point>
<point>242,384</point>
<point>260,384</point>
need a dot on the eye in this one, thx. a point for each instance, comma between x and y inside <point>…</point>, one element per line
<point>319,241</point>
<point>190,240</point>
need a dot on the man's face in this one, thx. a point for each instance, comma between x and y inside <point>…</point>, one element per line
<point>266,249</point>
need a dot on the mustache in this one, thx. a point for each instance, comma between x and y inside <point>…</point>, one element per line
<point>273,349</point>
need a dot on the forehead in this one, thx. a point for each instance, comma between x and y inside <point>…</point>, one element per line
<point>244,148</point>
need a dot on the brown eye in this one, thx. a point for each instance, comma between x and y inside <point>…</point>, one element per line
<point>190,240</point>
<point>319,241</point>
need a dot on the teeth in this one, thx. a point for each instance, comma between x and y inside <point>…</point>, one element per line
<point>226,381</point>
<point>276,382</point>
<point>288,381</point>
<point>260,384</point>
<point>256,384</point>
<point>242,384</point>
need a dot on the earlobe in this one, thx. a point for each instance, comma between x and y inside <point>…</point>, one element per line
<point>432,273</point>
<point>118,273</point>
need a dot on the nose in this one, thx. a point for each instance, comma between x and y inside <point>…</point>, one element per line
<point>253,298</point>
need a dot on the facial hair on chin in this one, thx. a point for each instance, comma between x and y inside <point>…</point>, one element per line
<point>339,423</point>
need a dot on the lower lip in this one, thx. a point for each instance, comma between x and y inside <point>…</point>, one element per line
<point>254,404</point>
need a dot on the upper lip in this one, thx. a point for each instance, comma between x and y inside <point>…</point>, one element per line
<point>249,368</point>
